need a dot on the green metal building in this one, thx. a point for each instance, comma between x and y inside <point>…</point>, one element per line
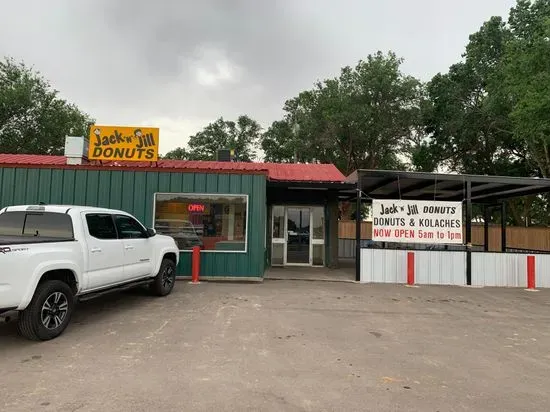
<point>245,216</point>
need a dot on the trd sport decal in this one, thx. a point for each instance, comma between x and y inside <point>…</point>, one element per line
<point>7,249</point>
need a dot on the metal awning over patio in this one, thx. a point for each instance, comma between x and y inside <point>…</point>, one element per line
<point>488,191</point>
<point>383,184</point>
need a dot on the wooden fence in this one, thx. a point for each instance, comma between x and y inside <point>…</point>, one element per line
<point>531,238</point>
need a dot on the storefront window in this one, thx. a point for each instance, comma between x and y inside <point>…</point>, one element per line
<point>213,222</point>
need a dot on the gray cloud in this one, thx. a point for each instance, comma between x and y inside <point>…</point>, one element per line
<point>184,63</point>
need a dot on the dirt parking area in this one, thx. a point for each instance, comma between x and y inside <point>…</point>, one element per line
<point>289,346</point>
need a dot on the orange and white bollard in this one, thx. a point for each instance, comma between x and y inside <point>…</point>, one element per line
<point>410,270</point>
<point>195,265</point>
<point>531,274</point>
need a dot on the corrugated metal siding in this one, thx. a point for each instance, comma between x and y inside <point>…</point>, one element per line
<point>383,266</point>
<point>346,248</point>
<point>542,271</point>
<point>508,270</point>
<point>133,192</point>
<point>431,267</point>
<point>440,268</point>
<point>499,269</point>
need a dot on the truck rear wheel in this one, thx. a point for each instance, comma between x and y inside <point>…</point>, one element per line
<point>165,279</point>
<point>49,312</point>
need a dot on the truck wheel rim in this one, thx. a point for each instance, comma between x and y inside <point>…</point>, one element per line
<point>168,277</point>
<point>54,310</point>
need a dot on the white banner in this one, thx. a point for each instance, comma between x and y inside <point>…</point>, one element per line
<point>415,221</point>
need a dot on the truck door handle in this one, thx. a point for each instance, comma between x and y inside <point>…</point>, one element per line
<point>95,250</point>
<point>129,247</point>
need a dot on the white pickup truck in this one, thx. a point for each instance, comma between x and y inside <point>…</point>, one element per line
<point>53,256</point>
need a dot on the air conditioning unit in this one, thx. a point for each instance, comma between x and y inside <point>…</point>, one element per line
<point>76,150</point>
<point>225,155</point>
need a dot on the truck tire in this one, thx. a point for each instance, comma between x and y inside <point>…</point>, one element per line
<point>49,312</point>
<point>165,279</point>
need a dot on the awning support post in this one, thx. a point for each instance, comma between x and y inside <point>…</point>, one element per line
<point>486,218</point>
<point>468,233</point>
<point>504,217</point>
<point>358,230</point>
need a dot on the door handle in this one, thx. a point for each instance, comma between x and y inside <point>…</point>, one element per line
<point>95,250</point>
<point>129,247</point>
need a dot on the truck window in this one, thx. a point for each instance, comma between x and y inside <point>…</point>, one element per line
<point>46,224</point>
<point>129,228</point>
<point>11,223</point>
<point>101,226</point>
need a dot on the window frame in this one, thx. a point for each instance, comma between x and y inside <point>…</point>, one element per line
<point>26,213</point>
<point>203,196</point>
<point>86,214</point>
<point>143,228</point>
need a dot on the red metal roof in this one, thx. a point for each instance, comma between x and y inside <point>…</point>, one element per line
<point>304,172</point>
<point>26,159</point>
<point>287,172</point>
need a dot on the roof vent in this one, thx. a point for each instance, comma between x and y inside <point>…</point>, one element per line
<point>76,150</point>
<point>225,155</point>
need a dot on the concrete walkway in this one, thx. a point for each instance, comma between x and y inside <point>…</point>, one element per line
<point>344,273</point>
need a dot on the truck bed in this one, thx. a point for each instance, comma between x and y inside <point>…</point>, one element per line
<point>27,240</point>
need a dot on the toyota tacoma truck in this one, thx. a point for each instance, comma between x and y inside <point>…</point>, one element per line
<point>52,257</point>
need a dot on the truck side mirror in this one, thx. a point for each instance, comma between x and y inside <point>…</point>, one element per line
<point>151,232</point>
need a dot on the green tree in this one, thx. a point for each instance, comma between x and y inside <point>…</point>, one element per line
<point>241,136</point>
<point>179,153</point>
<point>489,113</point>
<point>466,116</point>
<point>281,145</point>
<point>526,75</point>
<point>365,118</point>
<point>33,119</point>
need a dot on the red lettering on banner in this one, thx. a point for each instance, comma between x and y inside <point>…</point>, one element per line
<point>382,232</point>
<point>404,233</point>
<point>195,208</point>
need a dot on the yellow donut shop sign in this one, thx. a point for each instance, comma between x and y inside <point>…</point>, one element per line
<point>138,144</point>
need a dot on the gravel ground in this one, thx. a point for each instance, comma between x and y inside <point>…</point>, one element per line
<point>289,346</point>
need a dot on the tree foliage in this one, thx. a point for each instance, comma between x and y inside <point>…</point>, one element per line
<point>490,114</point>
<point>364,118</point>
<point>241,136</point>
<point>526,75</point>
<point>179,153</point>
<point>466,118</point>
<point>33,119</point>
<point>281,145</point>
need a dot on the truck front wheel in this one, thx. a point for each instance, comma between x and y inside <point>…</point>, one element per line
<point>49,312</point>
<point>165,279</point>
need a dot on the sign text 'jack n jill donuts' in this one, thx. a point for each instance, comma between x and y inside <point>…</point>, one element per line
<point>124,143</point>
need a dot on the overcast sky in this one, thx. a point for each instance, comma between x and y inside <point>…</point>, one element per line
<point>181,64</point>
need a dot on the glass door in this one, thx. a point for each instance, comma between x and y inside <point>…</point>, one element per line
<point>298,236</point>
<point>278,236</point>
<point>318,236</point>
